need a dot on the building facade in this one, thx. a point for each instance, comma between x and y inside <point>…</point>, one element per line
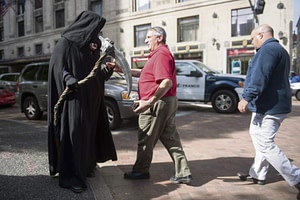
<point>297,50</point>
<point>216,32</point>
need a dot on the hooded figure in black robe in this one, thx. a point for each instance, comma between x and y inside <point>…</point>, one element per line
<point>82,137</point>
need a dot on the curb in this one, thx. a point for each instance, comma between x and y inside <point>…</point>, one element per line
<point>112,181</point>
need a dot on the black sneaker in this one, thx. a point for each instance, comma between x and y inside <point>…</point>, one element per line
<point>136,175</point>
<point>178,180</point>
<point>243,177</point>
<point>259,182</point>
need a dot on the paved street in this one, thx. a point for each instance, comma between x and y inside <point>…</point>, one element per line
<point>217,147</point>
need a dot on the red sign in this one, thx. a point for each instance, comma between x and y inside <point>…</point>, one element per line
<point>140,59</point>
<point>237,52</point>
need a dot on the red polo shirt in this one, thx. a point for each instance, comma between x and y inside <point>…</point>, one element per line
<point>160,66</point>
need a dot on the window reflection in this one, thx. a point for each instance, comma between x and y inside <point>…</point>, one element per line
<point>242,22</point>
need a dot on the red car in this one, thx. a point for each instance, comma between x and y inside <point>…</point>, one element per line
<point>7,97</point>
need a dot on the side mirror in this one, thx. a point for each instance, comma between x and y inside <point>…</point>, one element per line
<point>196,74</point>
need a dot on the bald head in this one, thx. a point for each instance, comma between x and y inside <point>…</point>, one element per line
<point>260,34</point>
<point>264,28</point>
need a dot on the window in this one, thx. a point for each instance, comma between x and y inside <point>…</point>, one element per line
<point>21,51</point>
<point>96,6</point>
<point>29,73</point>
<point>9,77</point>
<point>60,18</point>
<point>141,5</point>
<point>1,34</point>
<point>43,73</point>
<point>21,28</point>
<point>140,34</point>
<point>179,1</point>
<point>242,22</point>
<point>39,24</point>
<point>1,54</point>
<point>21,7</point>
<point>188,29</point>
<point>38,4</point>
<point>184,69</point>
<point>38,49</point>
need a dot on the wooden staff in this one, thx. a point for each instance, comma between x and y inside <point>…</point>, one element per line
<point>67,90</point>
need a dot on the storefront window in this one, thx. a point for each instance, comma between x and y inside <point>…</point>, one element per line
<point>239,60</point>
<point>242,22</point>
<point>138,62</point>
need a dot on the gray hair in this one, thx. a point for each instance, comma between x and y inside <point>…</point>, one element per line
<point>159,31</point>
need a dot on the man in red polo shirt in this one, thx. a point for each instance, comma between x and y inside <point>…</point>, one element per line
<point>157,107</point>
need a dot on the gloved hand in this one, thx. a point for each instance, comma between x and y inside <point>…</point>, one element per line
<point>71,81</point>
<point>74,87</point>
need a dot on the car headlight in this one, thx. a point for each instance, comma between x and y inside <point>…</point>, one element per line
<point>133,95</point>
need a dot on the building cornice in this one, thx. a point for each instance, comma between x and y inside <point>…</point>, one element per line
<point>163,11</point>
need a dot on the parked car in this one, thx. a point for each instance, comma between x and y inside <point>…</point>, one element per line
<point>9,80</point>
<point>32,94</point>
<point>7,97</point>
<point>197,82</point>
<point>5,69</point>
<point>295,87</point>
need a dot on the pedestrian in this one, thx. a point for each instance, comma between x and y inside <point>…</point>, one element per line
<point>157,107</point>
<point>294,78</point>
<point>267,95</point>
<point>82,136</point>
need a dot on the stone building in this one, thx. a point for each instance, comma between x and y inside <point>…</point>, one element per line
<point>297,50</point>
<point>216,32</point>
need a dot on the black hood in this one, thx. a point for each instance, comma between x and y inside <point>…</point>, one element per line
<point>85,28</point>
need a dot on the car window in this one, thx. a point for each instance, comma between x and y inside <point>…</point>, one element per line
<point>8,78</point>
<point>184,69</point>
<point>29,73</point>
<point>43,73</point>
<point>205,68</point>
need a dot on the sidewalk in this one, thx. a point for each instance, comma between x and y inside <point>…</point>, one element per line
<point>217,147</point>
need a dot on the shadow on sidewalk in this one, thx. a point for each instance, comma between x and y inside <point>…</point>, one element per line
<point>37,187</point>
<point>204,171</point>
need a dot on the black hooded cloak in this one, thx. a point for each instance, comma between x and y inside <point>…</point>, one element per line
<point>82,138</point>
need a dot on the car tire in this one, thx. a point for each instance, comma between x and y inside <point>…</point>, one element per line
<point>32,109</point>
<point>113,114</point>
<point>297,95</point>
<point>224,101</point>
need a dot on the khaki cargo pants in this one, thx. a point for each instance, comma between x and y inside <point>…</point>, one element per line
<point>158,122</point>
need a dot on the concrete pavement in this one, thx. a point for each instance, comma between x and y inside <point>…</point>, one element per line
<point>217,147</point>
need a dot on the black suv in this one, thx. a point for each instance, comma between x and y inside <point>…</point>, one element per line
<point>32,94</point>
